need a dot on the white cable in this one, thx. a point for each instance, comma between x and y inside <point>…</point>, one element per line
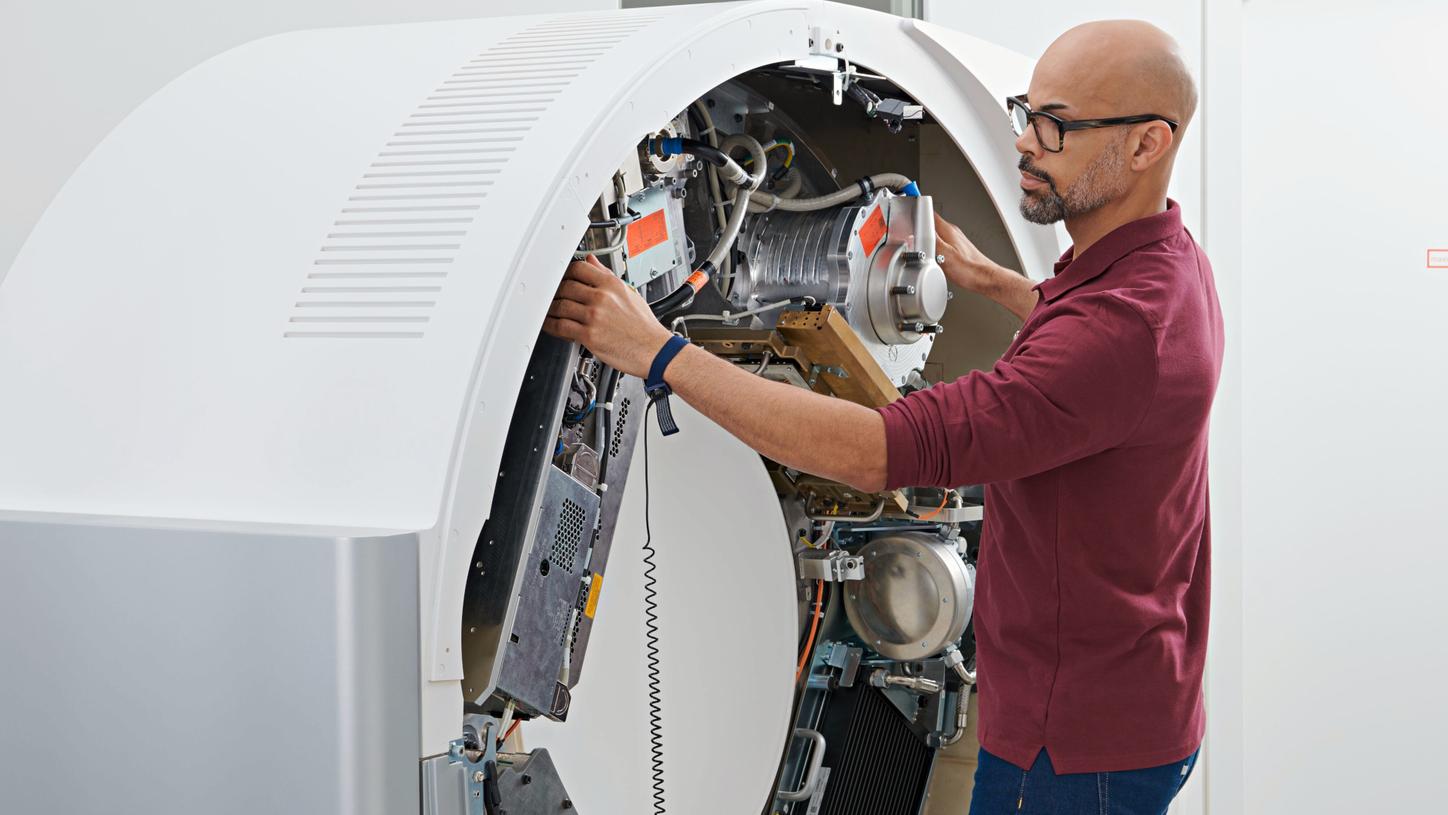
<point>741,200</point>
<point>893,181</point>
<point>729,317</point>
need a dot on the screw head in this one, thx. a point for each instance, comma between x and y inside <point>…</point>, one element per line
<point>478,777</point>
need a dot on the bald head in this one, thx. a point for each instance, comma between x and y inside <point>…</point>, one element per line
<point>1119,68</point>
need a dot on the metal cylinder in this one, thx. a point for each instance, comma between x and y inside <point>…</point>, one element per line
<point>794,254</point>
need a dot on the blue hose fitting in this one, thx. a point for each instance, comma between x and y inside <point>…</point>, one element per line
<point>911,189</point>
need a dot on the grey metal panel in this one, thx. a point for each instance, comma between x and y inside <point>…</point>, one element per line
<point>174,670</point>
<point>533,657</point>
<point>628,416</point>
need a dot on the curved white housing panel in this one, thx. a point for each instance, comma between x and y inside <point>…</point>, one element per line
<point>299,285</point>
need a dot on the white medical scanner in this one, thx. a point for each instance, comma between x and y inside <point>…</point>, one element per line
<point>301,513</point>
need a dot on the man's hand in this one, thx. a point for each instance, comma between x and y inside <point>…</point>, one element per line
<point>596,309</point>
<point>969,268</point>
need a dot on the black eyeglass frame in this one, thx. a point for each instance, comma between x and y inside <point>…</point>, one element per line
<point>1067,125</point>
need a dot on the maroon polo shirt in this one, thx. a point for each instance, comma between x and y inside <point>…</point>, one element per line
<point>1091,436</point>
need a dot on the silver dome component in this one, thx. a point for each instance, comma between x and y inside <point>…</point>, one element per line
<point>915,599</point>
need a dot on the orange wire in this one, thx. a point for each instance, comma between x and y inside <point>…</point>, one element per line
<point>937,510</point>
<point>813,628</point>
<point>510,731</point>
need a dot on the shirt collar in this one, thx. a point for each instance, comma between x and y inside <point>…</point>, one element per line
<point>1072,271</point>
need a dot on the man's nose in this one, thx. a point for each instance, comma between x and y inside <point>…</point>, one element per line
<point>1026,143</point>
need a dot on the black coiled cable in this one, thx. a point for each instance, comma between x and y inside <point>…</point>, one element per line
<point>651,642</point>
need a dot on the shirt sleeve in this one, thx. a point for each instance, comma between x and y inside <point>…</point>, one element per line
<point>1078,384</point>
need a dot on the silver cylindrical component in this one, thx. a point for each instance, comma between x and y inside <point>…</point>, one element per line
<point>801,254</point>
<point>874,260</point>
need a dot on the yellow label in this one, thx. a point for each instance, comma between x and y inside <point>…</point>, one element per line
<point>593,590</point>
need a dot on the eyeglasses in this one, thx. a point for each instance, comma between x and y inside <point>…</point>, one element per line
<point>1051,129</point>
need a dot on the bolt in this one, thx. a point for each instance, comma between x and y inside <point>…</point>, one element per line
<point>902,290</point>
<point>839,47</point>
<point>526,779</point>
<point>567,804</point>
<point>478,777</point>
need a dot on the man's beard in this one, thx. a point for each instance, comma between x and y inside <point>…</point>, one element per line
<point>1099,184</point>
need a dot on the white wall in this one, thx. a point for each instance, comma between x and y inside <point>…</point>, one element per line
<point>1346,398</point>
<point>70,70</point>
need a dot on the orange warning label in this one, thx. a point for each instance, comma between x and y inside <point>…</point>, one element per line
<point>873,231</point>
<point>646,233</point>
<point>591,607</point>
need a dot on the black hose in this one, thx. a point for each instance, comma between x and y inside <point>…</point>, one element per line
<point>675,300</point>
<point>681,297</point>
<point>713,155</point>
<point>603,420</point>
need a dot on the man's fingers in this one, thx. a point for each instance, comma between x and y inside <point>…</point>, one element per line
<point>942,225</point>
<point>569,310</point>
<point>593,259</point>
<point>587,273</point>
<point>574,290</point>
<point>944,231</point>
<point>563,329</point>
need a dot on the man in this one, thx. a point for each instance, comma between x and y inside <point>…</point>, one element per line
<point>1090,432</point>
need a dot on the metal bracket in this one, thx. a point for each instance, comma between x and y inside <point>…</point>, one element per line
<point>828,56</point>
<point>834,566</point>
<point>832,370</point>
<point>845,658</point>
<point>464,781</point>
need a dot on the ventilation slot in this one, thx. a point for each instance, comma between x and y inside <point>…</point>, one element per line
<point>579,604</point>
<point>568,537</point>
<point>487,105</point>
<point>618,427</point>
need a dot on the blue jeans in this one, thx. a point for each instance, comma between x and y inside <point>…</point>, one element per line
<point>1001,788</point>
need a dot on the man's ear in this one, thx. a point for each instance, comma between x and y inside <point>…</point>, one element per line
<point>1152,144</point>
